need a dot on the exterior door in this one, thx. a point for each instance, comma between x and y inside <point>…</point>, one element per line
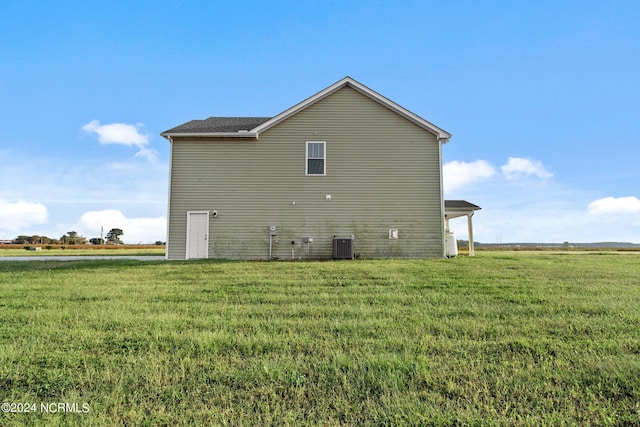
<point>197,234</point>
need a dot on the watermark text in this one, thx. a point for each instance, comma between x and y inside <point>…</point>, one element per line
<point>46,407</point>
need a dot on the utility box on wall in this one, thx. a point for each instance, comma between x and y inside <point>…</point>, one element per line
<point>343,248</point>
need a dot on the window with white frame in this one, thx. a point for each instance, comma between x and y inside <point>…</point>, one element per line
<point>316,158</point>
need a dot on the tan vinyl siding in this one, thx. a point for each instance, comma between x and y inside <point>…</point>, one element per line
<point>382,172</point>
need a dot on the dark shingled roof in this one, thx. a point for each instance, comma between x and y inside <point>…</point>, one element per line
<point>460,204</point>
<point>219,124</point>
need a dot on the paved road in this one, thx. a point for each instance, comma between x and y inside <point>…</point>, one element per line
<point>80,258</point>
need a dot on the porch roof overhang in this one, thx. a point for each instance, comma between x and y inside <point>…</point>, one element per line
<point>458,208</point>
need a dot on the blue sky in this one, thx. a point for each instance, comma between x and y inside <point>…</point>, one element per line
<point>541,99</point>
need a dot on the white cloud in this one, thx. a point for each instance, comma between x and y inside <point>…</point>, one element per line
<point>123,134</point>
<point>15,216</point>
<point>457,174</point>
<point>117,133</point>
<point>519,167</point>
<point>615,206</point>
<point>136,230</point>
<point>151,155</point>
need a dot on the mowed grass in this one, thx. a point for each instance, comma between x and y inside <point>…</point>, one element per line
<point>83,250</point>
<point>505,338</point>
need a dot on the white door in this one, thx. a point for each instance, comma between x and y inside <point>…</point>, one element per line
<point>197,234</point>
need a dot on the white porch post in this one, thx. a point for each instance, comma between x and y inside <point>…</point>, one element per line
<point>472,251</point>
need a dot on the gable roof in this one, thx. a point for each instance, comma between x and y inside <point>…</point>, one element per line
<point>251,127</point>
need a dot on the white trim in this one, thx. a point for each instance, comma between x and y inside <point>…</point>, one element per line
<point>206,250</point>
<point>306,158</point>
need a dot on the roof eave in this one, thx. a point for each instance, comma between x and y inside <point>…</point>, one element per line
<point>249,134</point>
<point>460,210</point>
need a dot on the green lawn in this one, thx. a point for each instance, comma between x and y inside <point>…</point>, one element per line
<point>505,338</point>
<point>119,251</point>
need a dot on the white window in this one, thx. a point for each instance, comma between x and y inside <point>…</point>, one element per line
<point>316,158</point>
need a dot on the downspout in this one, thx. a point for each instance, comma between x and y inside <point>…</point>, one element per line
<point>441,142</point>
<point>166,249</point>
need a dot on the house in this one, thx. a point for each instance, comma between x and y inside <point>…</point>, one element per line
<point>344,173</point>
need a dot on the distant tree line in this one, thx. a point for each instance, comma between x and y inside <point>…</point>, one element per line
<point>73,238</point>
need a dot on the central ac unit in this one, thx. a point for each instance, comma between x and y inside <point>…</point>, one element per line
<point>343,248</point>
